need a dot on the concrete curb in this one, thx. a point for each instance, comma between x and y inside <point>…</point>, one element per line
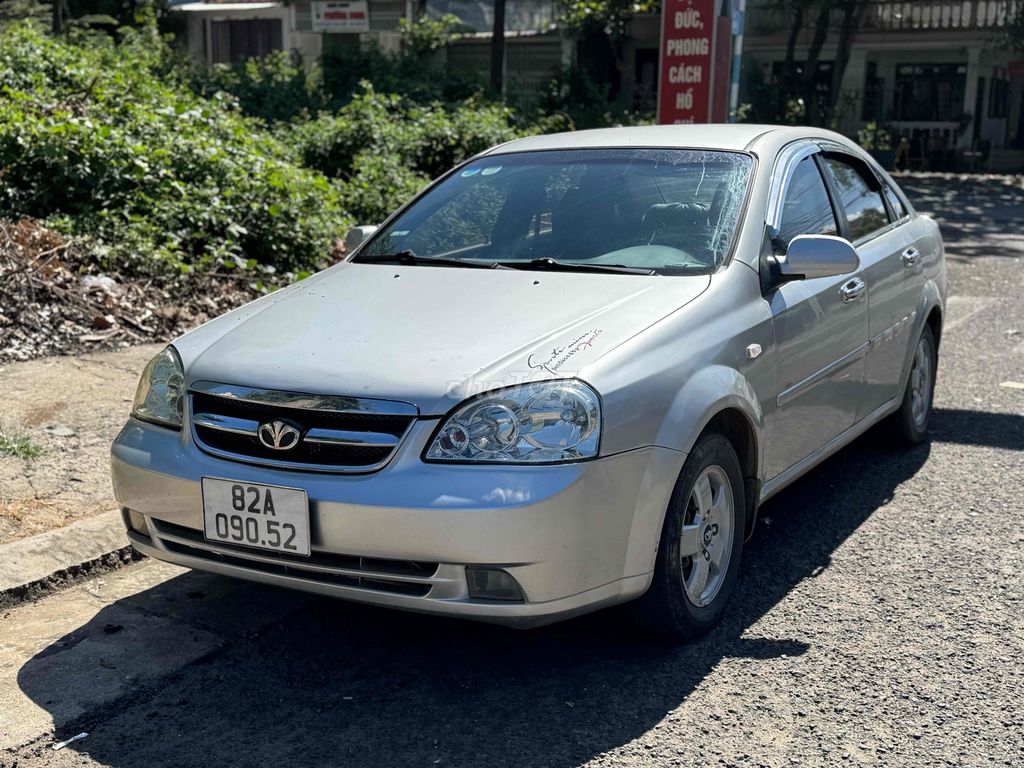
<point>30,567</point>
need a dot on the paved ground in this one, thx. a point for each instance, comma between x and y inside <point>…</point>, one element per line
<point>71,407</point>
<point>880,620</point>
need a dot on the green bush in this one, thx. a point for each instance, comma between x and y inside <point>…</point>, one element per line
<point>384,148</point>
<point>105,140</point>
<point>430,139</point>
<point>117,139</point>
<point>379,183</point>
<point>417,72</point>
<point>276,87</point>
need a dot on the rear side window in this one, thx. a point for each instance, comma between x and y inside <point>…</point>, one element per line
<point>898,208</point>
<point>807,210</point>
<point>865,210</point>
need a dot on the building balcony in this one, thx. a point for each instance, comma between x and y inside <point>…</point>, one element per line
<point>901,16</point>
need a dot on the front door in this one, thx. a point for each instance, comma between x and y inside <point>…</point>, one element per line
<point>821,334</point>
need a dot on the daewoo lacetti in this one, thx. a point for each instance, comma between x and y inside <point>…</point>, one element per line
<point>564,376</point>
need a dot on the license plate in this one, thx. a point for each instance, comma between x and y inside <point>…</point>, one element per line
<point>254,515</point>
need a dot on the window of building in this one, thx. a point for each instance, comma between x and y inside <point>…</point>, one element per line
<point>645,80</point>
<point>998,94</point>
<point>865,210</point>
<point>874,93</point>
<point>240,39</point>
<point>929,92</point>
<point>807,210</point>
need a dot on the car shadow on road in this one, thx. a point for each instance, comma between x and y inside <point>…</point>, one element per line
<point>339,684</point>
<point>993,430</point>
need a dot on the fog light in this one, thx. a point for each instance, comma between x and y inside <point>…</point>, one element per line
<point>135,521</point>
<point>493,584</point>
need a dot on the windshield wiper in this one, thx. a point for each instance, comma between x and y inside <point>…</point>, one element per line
<point>581,266</point>
<point>407,257</point>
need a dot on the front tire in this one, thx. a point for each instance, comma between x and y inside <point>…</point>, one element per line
<point>701,544</point>
<point>910,422</point>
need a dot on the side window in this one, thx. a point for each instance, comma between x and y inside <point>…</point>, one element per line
<point>807,210</point>
<point>865,211</point>
<point>896,203</point>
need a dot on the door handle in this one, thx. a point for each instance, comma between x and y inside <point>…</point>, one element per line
<point>853,290</point>
<point>911,256</point>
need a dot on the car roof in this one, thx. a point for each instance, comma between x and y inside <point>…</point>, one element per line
<point>723,136</point>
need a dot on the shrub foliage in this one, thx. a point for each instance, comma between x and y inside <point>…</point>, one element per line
<point>119,141</point>
<point>104,140</point>
<point>382,148</point>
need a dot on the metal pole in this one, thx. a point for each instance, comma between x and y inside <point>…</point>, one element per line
<point>737,54</point>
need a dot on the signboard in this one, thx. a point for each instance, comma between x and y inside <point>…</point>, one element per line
<point>684,77</point>
<point>341,16</point>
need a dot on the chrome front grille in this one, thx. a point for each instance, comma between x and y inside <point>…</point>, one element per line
<point>337,434</point>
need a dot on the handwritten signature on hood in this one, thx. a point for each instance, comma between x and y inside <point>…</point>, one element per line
<point>561,355</point>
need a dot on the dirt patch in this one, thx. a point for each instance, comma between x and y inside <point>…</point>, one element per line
<point>72,408</point>
<point>54,300</point>
<point>29,516</point>
<point>43,413</point>
<point>73,341</point>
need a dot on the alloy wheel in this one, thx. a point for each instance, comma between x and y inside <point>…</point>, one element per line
<point>706,540</point>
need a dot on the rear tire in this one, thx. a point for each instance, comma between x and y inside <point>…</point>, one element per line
<point>701,545</point>
<point>910,422</point>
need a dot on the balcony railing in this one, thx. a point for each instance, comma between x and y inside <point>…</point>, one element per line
<point>905,16</point>
<point>941,15</point>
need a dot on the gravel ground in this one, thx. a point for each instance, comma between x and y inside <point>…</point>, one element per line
<point>880,619</point>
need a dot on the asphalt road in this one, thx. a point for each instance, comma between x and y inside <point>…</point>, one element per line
<point>880,619</point>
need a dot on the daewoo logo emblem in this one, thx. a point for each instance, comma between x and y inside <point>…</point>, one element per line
<point>278,435</point>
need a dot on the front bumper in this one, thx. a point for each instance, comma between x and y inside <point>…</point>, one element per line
<point>575,536</point>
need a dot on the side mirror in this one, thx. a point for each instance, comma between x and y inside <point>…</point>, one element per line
<point>810,256</point>
<point>358,235</point>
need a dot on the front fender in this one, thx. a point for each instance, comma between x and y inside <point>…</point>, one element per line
<point>706,394</point>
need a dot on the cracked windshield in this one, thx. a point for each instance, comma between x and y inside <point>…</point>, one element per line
<point>667,211</point>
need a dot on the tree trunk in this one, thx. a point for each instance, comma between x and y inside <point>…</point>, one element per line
<point>853,14</point>
<point>498,48</point>
<point>788,75</point>
<point>60,15</point>
<point>809,89</point>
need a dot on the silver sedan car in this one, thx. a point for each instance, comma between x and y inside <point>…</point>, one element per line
<point>562,377</point>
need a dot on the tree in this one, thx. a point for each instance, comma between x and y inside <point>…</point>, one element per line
<point>498,48</point>
<point>606,20</point>
<point>60,16</point>
<point>1013,32</point>
<point>20,10</point>
<point>799,77</point>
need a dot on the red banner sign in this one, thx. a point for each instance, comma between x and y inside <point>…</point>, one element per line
<point>684,84</point>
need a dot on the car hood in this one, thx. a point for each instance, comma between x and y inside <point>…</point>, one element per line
<point>428,335</point>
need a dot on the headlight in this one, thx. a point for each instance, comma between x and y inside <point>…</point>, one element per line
<point>540,423</point>
<point>160,397</point>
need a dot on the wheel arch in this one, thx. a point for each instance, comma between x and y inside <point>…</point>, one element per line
<point>735,426</point>
<point>720,399</point>
<point>934,321</point>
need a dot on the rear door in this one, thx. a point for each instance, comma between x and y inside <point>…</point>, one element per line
<point>877,225</point>
<point>821,331</point>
